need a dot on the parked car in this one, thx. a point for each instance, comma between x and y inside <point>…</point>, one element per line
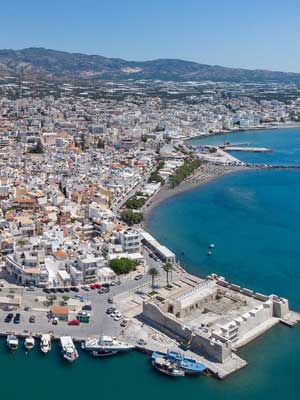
<point>115,313</point>
<point>46,290</point>
<point>9,317</point>
<point>87,307</point>
<point>74,289</point>
<point>55,321</point>
<point>97,285</point>
<point>60,290</point>
<point>142,342</point>
<point>124,323</point>
<point>66,289</point>
<point>138,277</point>
<point>7,308</point>
<point>30,288</point>
<point>118,317</point>
<point>74,322</point>
<point>110,300</point>
<point>103,290</point>
<point>17,318</point>
<point>106,285</point>
<point>92,286</point>
<point>110,310</point>
<point>32,319</point>
<point>85,287</point>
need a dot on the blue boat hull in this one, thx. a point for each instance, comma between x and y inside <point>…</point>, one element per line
<point>190,366</point>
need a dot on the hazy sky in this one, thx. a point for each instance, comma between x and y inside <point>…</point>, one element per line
<point>238,33</point>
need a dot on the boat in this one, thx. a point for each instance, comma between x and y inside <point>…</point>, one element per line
<point>45,343</point>
<point>209,253</point>
<point>12,342</point>
<point>105,346</point>
<point>29,343</point>
<point>166,367</point>
<point>212,246</point>
<point>68,349</point>
<point>189,365</point>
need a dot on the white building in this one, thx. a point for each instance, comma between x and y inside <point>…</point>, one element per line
<point>130,240</point>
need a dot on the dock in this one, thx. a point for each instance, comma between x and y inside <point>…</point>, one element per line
<point>247,149</point>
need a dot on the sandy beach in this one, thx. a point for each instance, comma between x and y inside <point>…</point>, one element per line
<point>204,174</point>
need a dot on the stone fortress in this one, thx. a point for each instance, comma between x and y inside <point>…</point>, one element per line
<point>213,318</point>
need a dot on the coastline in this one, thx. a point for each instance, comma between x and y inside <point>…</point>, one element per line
<point>204,174</point>
<point>191,183</point>
<point>254,128</point>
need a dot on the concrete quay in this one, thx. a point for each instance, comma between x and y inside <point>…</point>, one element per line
<point>247,149</point>
<point>157,341</point>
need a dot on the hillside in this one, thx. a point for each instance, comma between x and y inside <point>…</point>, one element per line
<point>51,64</point>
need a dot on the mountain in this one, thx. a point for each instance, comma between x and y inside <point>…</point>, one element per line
<point>51,64</point>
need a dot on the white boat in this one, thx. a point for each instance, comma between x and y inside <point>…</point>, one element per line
<point>29,343</point>
<point>105,346</point>
<point>209,253</point>
<point>212,246</point>
<point>68,349</point>
<point>12,342</point>
<point>45,343</point>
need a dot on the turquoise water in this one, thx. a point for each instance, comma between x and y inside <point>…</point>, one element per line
<point>130,376</point>
<point>254,220</point>
<point>285,144</point>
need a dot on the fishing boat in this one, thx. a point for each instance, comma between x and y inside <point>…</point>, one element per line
<point>68,349</point>
<point>166,367</point>
<point>189,365</point>
<point>12,342</point>
<point>105,346</point>
<point>209,253</point>
<point>45,343</point>
<point>29,343</point>
<point>212,246</point>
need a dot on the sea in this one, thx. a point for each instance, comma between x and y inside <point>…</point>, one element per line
<point>253,218</point>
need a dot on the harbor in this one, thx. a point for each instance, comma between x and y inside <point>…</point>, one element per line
<point>205,320</point>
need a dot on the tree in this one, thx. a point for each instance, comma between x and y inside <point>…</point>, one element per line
<point>38,149</point>
<point>131,217</point>
<point>135,203</point>
<point>83,142</point>
<point>153,272</point>
<point>168,268</point>
<point>122,265</point>
<point>101,144</point>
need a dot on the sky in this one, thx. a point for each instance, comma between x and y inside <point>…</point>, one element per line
<point>234,33</point>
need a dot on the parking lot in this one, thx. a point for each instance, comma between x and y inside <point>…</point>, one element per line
<point>100,322</point>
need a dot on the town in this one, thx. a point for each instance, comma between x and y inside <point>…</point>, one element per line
<point>80,169</point>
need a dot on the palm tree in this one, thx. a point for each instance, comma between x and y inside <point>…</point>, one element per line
<point>168,267</point>
<point>153,272</point>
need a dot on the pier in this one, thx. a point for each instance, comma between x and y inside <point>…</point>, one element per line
<point>247,149</point>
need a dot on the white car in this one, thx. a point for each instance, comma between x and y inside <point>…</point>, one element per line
<point>118,317</point>
<point>115,313</point>
<point>85,287</point>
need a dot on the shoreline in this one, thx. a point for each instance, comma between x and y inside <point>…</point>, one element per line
<point>204,174</point>
<point>188,185</point>
<point>255,128</point>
